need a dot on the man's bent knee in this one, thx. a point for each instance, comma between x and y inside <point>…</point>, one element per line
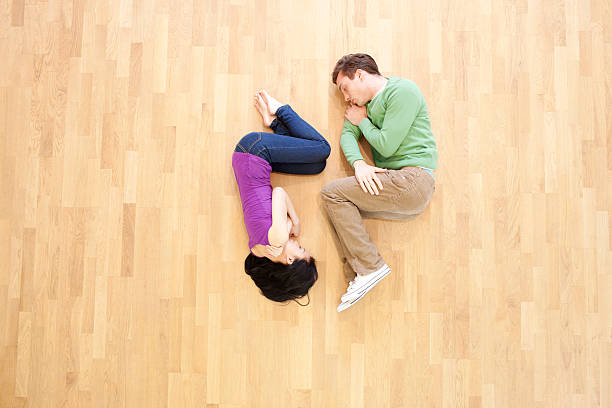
<point>328,192</point>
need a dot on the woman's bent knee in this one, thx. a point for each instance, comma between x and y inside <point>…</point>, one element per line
<point>319,167</point>
<point>247,142</point>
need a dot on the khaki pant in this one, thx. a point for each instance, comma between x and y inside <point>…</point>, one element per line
<point>406,194</point>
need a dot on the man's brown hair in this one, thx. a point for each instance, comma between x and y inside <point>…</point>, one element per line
<point>350,63</point>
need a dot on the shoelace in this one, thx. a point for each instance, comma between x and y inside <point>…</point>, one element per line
<point>351,283</point>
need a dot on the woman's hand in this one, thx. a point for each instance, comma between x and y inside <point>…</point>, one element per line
<point>295,230</point>
<point>273,251</point>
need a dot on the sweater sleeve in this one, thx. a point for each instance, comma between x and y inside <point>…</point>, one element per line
<point>402,107</point>
<point>348,142</point>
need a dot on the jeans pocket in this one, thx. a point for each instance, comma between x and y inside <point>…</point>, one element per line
<point>252,145</point>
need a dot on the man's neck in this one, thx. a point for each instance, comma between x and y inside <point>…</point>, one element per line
<point>378,84</point>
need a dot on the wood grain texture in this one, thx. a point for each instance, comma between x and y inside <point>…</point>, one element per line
<point>121,234</point>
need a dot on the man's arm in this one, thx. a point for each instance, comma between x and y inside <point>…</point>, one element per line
<point>364,173</point>
<point>348,141</point>
<point>403,106</point>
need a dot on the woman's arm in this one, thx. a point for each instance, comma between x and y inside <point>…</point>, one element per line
<point>291,211</point>
<point>278,234</point>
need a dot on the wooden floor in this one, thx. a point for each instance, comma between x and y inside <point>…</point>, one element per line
<point>121,237</point>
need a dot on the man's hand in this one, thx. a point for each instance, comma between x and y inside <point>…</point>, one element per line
<point>366,176</point>
<point>355,114</point>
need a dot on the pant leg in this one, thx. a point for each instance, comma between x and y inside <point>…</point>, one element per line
<point>387,215</point>
<point>406,192</point>
<point>298,168</point>
<point>286,154</point>
<point>278,127</point>
<point>347,269</point>
<point>283,150</point>
<point>306,155</point>
<point>297,126</point>
<point>294,168</point>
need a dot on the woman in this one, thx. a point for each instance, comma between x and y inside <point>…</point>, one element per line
<point>278,265</point>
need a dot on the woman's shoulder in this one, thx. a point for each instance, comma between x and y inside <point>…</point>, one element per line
<point>258,250</point>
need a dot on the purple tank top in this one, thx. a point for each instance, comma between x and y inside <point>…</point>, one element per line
<point>253,178</point>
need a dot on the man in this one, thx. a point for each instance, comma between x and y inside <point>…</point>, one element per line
<point>392,115</point>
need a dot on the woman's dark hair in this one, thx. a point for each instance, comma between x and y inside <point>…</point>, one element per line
<point>349,64</point>
<point>280,282</point>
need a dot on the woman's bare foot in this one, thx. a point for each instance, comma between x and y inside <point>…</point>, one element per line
<point>263,110</point>
<point>272,103</point>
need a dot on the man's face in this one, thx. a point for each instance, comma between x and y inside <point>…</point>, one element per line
<point>354,90</point>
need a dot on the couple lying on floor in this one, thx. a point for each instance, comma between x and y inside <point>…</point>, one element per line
<point>391,114</point>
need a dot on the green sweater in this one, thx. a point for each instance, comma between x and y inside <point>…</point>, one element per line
<point>397,128</point>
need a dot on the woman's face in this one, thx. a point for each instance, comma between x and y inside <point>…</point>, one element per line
<point>293,251</point>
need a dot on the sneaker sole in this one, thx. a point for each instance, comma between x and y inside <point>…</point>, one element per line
<point>360,292</point>
<point>345,305</point>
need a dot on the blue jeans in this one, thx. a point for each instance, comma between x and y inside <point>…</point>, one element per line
<point>295,147</point>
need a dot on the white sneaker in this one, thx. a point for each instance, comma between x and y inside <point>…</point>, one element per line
<point>345,305</point>
<point>359,286</point>
<point>363,283</point>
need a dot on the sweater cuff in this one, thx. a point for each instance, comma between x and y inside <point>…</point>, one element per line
<point>352,161</point>
<point>365,125</point>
